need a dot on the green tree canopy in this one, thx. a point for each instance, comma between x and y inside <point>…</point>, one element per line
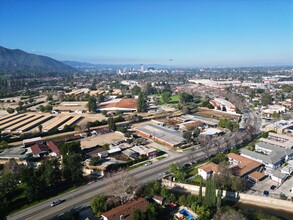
<point>92,104</point>
<point>99,204</point>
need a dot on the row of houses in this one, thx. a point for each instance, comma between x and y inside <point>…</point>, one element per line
<point>239,166</point>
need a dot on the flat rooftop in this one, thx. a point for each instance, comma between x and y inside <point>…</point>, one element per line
<point>208,121</point>
<point>165,134</point>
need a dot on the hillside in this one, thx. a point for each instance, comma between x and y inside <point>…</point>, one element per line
<point>18,61</point>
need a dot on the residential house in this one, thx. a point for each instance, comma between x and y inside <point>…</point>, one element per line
<point>125,211</point>
<point>160,200</point>
<point>209,169</point>
<point>242,166</point>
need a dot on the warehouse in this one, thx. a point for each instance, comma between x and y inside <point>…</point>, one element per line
<point>166,136</point>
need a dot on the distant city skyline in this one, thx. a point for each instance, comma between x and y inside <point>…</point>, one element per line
<point>176,33</point>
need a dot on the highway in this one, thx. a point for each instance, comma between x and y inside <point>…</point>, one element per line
<point>81,196</point>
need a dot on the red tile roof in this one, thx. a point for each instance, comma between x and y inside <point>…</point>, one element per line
<point>210,167</point>
<point>39,148</point>
<point>244,165</point>
<point>53,147</point>
<point>126,210</point>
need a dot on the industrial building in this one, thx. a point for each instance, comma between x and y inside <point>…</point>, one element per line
<point>166,136</point>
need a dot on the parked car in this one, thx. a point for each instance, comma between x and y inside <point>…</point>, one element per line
<point>273,187</point>
<point>266,193</point>
<point>148,163</point>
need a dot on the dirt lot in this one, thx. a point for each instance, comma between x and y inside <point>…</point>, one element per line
<point>218,114</point>
<point>101,140</point>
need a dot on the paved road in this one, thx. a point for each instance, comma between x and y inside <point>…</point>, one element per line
<point>81,197</point>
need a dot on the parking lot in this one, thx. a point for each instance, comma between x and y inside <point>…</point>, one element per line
<point>265,185</point>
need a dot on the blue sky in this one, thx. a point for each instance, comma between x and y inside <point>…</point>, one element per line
<point>192,33</point>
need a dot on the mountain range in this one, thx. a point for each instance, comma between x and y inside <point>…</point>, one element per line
<point>18,61</point>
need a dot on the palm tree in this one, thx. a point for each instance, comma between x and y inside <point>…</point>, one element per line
<point>40,127</point>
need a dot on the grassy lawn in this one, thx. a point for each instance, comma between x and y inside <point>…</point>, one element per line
<point>173,100</point>
<point>137,165</point>
<point>196,180</point>
<point>192,172</point>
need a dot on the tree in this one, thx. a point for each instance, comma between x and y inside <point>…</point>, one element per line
<point>40,127</point>
<point>210,194</point>
<point>219,199</point>
<point>157,100</point>
<point>150,90</point>
<point>101,98</point>
<point>49,98</point>
<point>123,187</point>
<point>166,97</point>
<point>92,104</point>
<point>137,215</point>
<point>72,168</point>
<point>111,124</point>
<point>141,103</point>
<point>188,136</point>
<point>185,97</point>
<point>185,109</point>
<point>33,185</point>
<point>94,161</point>
<point>136,90</point>
<point>67,148</point>
<point>8,183</point>
<point>266,99</point>
<point>231,214</point>
<point>99,204</point>
<point>10,110</point>
<point>167,88</point>
<point>52,173</point>
<point>287,88</point>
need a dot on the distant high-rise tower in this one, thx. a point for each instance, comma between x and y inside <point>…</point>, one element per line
<point>141,68</point>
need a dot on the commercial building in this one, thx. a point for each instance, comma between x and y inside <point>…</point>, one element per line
<point>166,136</point>
<point>279,140</point>
<point>282,126</point>
<point>269,155</point>
<point>142,150</point>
